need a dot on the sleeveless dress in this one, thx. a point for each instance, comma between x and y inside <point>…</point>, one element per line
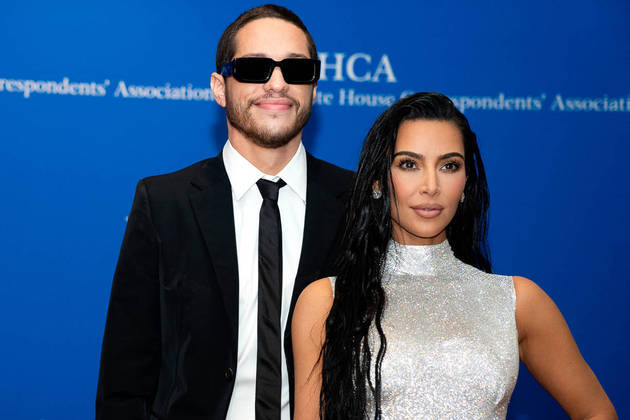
<point>452,344</point>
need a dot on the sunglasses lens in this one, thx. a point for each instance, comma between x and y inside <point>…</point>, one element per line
<point>300,70</point>
<point>252,69</point>
<point>259,70</point>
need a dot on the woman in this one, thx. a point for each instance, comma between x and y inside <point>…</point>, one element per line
<point>418,327</point>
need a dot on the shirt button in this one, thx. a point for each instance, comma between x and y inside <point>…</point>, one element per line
<point>229,374</point>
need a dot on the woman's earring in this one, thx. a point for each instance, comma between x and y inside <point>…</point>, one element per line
<point>376,194</point>
<point>461,200</point>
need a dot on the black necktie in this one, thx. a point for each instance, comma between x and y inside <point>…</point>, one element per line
<point>268,365</point>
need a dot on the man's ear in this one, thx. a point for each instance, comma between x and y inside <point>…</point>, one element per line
<point>314,94</point>
<point>217,84</point>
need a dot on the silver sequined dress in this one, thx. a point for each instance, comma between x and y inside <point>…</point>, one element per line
<point>452,344</point>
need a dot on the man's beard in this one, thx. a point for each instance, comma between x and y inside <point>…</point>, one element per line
<point>240,118</point>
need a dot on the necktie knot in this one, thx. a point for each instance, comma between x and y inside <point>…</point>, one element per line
<point>269,189</point>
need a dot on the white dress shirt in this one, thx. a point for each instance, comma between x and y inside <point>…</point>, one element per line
<point>246,201</point>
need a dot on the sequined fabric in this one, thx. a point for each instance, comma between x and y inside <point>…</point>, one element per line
<point>452,344</point>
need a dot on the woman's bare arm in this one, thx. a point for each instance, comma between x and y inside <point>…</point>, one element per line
<point>308,332</point>
<point>548,349</point>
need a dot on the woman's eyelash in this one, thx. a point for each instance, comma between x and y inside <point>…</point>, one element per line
<point>452,166</point>
<point>410,164</point>
<point>407,164</point>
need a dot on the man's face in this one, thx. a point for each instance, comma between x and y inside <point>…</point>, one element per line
<point>270,114</point>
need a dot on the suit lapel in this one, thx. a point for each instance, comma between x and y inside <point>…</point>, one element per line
<point>318,223</point>
<point>212,204</point>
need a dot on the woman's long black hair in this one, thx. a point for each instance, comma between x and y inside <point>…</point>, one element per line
<point>359,297</point>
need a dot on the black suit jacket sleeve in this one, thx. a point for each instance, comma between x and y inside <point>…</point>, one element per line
<point>130,360</point>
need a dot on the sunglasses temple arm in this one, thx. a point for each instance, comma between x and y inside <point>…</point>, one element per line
<point>226,69</point>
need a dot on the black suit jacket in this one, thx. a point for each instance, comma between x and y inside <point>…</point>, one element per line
<point>170,344</point>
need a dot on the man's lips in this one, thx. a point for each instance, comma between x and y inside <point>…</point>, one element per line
<point>274,104</point>
<point>428,210</point>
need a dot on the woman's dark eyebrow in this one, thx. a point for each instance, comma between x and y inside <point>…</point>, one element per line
<point>452,154</point>
<point>410,154</point>
<point>418,156</point>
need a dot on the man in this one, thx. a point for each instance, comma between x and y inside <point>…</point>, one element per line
<point>205,256</point>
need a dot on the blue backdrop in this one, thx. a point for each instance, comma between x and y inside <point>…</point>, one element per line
<point>96,95</point>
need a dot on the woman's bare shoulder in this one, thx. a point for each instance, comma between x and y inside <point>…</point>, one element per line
<point>318,290</point>
<point>536,312</point>
<point>314,301</point>
<point>528,292</point>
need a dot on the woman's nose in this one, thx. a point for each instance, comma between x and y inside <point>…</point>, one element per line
<point>429,184</point>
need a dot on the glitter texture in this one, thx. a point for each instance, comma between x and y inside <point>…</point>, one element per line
<point>452,344</point>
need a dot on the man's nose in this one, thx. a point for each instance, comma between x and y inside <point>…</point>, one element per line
<point>276,82</point>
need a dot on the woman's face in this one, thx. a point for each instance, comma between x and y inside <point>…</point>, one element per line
<point>428,177</point>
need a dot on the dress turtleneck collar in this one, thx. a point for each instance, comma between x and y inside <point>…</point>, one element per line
<point>418,259</point>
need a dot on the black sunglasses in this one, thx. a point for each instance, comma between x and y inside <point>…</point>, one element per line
<point>296,71</point>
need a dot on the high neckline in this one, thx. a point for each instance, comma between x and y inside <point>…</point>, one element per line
<point>417,259</point>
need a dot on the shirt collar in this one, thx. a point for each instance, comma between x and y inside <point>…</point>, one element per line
<point>243,175</point>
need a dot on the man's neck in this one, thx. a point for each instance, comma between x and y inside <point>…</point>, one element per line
<point>268,161</point>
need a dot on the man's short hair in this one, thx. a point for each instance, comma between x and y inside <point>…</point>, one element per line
<point>227,48</point>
